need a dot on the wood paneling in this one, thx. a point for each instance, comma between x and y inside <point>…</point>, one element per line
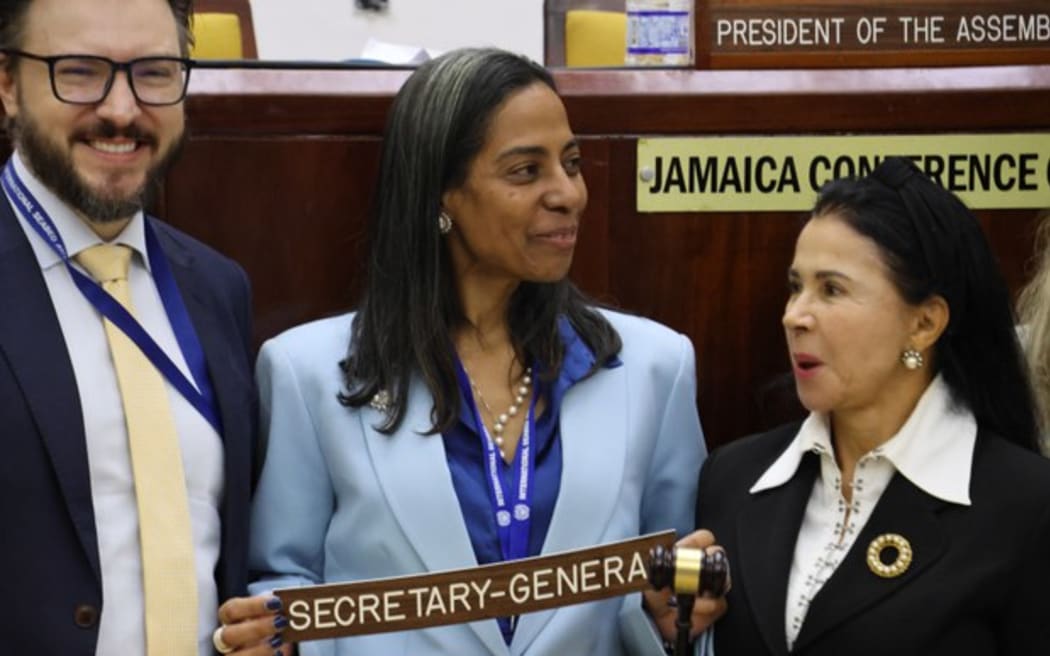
<point>280,167</point>
<point>291,211</point>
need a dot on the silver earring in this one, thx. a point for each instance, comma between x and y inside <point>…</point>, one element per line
<point>912,359</point>
<point>444,223</point>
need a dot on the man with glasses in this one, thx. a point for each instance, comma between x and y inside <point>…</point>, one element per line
<point>126,398</point>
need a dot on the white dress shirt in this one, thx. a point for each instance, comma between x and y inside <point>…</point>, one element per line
<point>933,449</point>
<point>121,625</point>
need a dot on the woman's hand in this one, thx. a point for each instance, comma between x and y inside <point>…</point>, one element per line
<point>706,608</point>
<point>251,626</point>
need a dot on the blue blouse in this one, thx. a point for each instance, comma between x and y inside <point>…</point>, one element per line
<point>466,461</point>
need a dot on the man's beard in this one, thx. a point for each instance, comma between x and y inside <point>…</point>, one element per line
<point>54,167</point>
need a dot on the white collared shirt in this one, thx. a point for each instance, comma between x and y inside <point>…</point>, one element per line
<point>933,449</point>
<point>121,625</point>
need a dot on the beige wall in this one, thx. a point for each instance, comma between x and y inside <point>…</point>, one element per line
<point>336,30</point>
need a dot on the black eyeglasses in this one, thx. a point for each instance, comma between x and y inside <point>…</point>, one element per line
<point>87,79</point>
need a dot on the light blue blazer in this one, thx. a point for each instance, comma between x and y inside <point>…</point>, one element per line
<point>340,501</point>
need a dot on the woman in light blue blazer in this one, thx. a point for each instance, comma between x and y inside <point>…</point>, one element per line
<point>471,341</point>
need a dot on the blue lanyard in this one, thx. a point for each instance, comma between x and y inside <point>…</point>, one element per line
<point>513,520</point>
<point>204,399</point>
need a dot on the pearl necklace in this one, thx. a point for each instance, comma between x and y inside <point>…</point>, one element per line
<point>500,423</point>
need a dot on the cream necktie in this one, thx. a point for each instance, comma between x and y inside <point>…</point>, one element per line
<point>169,578</point>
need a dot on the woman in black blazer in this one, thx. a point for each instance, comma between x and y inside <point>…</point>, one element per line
<point>909,513</point>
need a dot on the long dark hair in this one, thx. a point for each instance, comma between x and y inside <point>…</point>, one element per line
<point>933,245</point>
<point>437,125</point>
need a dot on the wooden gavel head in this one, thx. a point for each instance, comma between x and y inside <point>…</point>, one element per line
<point>688,571</point>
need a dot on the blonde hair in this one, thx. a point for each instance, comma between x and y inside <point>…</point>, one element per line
<point>1033,307</point>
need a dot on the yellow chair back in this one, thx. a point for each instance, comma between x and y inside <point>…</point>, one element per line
<point>595,38</point>
<point>217,36</point>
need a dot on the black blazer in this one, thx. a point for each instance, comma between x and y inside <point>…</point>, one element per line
<point>978,582</point>
<point>52,591</point>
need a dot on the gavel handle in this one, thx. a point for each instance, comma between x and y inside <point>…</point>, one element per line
<point>684,624</point>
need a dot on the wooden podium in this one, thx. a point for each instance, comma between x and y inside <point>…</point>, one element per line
<point>281,166</point>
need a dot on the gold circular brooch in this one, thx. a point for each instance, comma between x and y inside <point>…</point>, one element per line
<point>889,541</point>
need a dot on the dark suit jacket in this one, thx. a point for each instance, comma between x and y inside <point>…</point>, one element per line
<point>977,583</point>
<point>52,593</point>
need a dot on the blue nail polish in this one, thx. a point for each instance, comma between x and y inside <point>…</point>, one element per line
<point>273,603</point>
<point>276,641</point>
<point>280,621</point>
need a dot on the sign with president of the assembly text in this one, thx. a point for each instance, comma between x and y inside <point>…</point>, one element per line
<point>752,27</point>
<point>773,173</point>
<point>504,589</point>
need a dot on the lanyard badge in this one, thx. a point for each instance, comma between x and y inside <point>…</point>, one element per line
<point>198,393</point>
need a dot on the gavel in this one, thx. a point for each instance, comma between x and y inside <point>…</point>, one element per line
<point>688,572</point>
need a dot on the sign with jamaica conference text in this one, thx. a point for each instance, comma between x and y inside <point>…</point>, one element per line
<point>784,173</point>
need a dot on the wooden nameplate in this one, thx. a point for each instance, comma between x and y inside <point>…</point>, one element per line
<point>499,590</point>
